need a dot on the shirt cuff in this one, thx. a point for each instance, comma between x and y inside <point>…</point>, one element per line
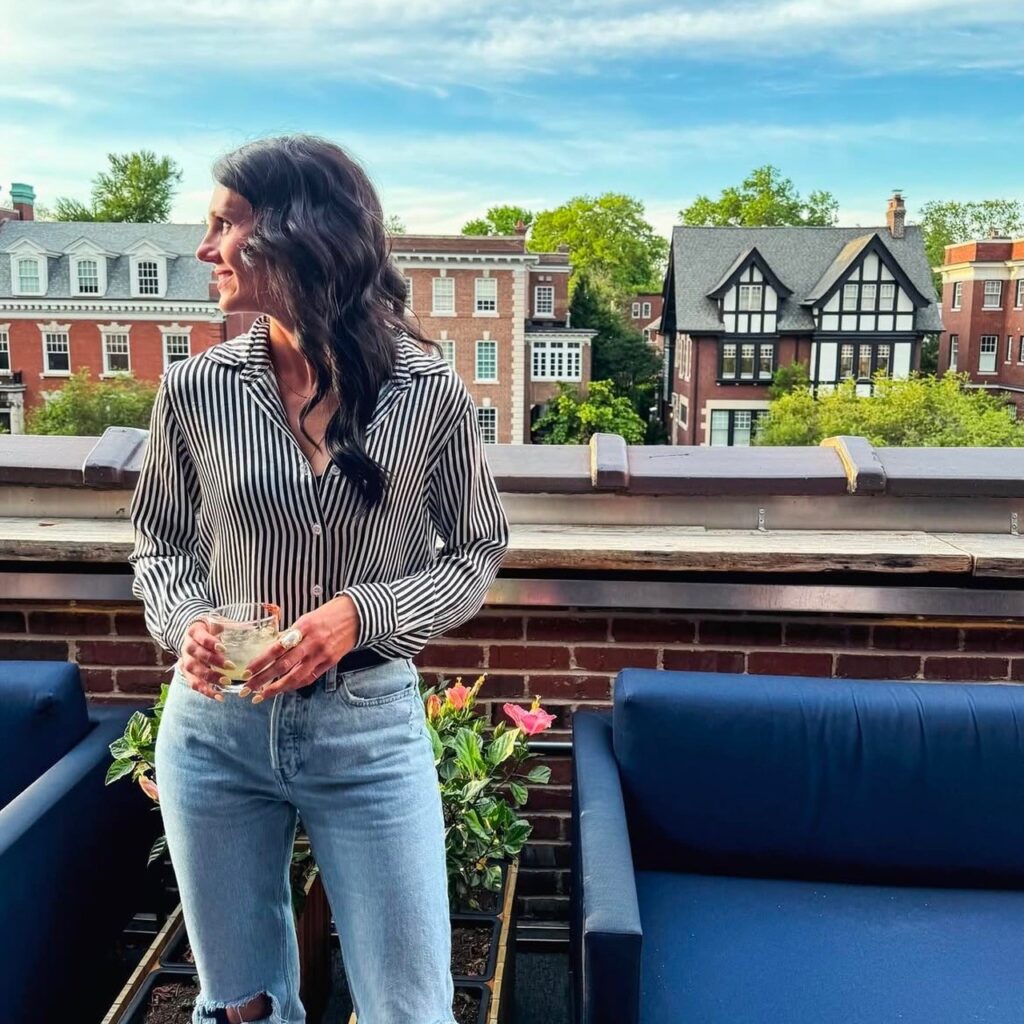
<point>183,617</point>
<point>378,611</point>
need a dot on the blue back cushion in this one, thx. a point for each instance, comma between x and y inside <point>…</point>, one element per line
<point>43,714</point>
<point>855,779</point>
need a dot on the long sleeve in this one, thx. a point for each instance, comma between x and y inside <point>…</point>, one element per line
<point>397,618</point>
<point>170,577</point>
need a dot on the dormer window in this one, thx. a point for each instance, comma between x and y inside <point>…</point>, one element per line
<point>29,276</point>
<point>88,268</point>
<point>148,270</point>
<point>750,297</point>
<point>148,277</point>
<point>88,276</point>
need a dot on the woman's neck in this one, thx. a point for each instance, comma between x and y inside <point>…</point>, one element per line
<point>290,365</point>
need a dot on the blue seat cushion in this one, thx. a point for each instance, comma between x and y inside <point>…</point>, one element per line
<point>728,950</point>
<point>43,715</point>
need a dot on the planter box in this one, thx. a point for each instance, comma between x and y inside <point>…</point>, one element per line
<point>495,993</point>
<point>135,1011</point>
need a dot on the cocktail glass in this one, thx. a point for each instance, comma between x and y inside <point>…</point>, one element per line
<point>246,630</point>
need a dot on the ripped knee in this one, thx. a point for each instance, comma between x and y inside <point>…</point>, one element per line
<point>261,1008</point>
<point>254,1010</point>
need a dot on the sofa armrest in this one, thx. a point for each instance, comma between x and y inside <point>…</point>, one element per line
<point>605,930</point>
<point>72,862</point>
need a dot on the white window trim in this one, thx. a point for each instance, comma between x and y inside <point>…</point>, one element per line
<point>434,311</point>
<point>448,342</point>
<point>101,273</point>
<point>545,346</point>
<point>476,297</point>
<point>994,354</point>
<point>408,293</point>
<point>985,304</point>
<point>174,328</point>
<point>957,299</point>
<point>54,328</point>
<point>492,409</point>
<point>635,311</point>
<point>536,312</point>
<point>5,346</point>
<point>106,330</point>
<point>750,290</point>
<point>41,263</point>
<point>477,379</point>
<point>853,289</point>
<point>1018,297</point>
<point>645,311</point>
<point>954,351</point>
<point>887,305</point>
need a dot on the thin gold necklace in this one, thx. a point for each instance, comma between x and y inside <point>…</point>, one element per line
<point>293,391</point>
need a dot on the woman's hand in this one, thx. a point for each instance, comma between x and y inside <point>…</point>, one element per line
<point>202,660</point>
<point>328,634</point>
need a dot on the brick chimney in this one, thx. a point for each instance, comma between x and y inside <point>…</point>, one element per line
<point>23,198</point>
<point>895,215</point>
<point>520,228</point>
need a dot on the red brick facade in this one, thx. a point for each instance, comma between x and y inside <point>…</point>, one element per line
<point>569,658</point>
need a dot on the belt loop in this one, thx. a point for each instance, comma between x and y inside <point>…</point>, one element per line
<point>331,679</point>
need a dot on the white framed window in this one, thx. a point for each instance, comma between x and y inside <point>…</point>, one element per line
<point>993,295</point>
<point>883,362</point>
<point>177,343</point>
<point>864,362</point>
<point>148,276</point>
<point>646,312</point>
<point>544,300</point>
<point>408,293</point>
<point>750,297</point>
<point>1020,351</point>
<point>1018,299</point>
<point>487,418</point>
<point>87,276</point>
<point>448,349</point>
<point>729,360</point>
<point>56,350</point>
<point>868,293</point>
<point>850,296</point>
<point>29,275</point>
<point>987,353</point>
<point>845,361</point>
<point>5,349</point>
<point>747,361</point>
<point>720,427</point>
<point>116,354</point>
<point>734,427</point>
<point>686,357</point>
<point>486,361</point>
<point>954,347</point>
<point>557,360</point>
<point>887,296</point>
<point>485,296</point>
<point>766,360</point>
<point>958,294</point>
<point>1009,348</point>
<point>147,265</point>
<point>443,296</point>
<point>635,312</point>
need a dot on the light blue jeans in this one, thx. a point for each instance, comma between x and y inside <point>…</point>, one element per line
<point>355,762</point>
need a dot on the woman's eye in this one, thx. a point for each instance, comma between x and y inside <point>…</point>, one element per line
<point>225,225</point>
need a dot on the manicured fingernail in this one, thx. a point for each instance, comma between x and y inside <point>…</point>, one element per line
<point>220,648</point>
<point>219,696</point>
<point>258,698</point>
<point>244,691</point>
<point>246,674</point>
<point>229,664</point>
<point>224,681</point>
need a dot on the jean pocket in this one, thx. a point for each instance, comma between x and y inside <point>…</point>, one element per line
<point>378,684</point>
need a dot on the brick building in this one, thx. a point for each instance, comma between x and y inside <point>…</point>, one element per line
<point>119,298</point>
<point>983,313</point>
<point>740,302</point>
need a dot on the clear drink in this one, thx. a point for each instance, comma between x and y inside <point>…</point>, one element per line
<point>246,631</point>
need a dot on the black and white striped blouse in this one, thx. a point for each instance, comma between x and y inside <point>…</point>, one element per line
<point>227,508</point>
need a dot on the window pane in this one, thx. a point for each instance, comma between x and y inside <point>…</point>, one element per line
<point>728,360</point>
<point>544,300</point>
<point>444,295</point>
<point>958,293</point>
<point>149,278</point>
<point>719,427</point>
<point>572,360</point>
<point>177,347</point>
<point>28,276</point>
<point>888,297</point>
<point>488,420</point>
<point>636,311</point>
<point>540,360</point>
<point>987,354</point>
<point>747,361</point>
<point>486,295</point>
<point>864,361</point>
<point>849,296</point>
<point>115,348</point>
<point>1019,301</point>
<point>750,297</point>
<point>867,296</point>
<point>884,356</point>
<point>993,294</point>
<point>5,352</point>
<point>448,350</point>
<point>766,361</point>
<point>846,361</point>
<point>58,357</point>
<point>741,427</point>
<point>408,292</point>
<point>88,277</point>
<point>954,344</point>
<point>647,311</point>
<point>486,360</point>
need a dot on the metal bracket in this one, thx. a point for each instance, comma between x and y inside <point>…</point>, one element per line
<point>1014,524</point>
<point>761,520</point>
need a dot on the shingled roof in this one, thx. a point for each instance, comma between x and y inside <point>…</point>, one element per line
<point>188,280</point>
<point>808,259</point>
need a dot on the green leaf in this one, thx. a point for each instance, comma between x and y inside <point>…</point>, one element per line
<point>516,836</point>
<point>121,748</point>
<point>473,788</point>
<point>492,877</point>
<point>475,826</point>
<point>502,747</point>
<point>467,750</point>
<point>518,793</point>
<point>435,744</point>
<point>157,850</point>
<point>539,773</point>
<point>118,770</point>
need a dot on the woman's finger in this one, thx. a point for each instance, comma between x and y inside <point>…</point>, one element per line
<point>301,675</point>
<point>199,684</point>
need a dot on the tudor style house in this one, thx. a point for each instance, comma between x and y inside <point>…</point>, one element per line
<point>983,315</point>
<point>740,302</point>
<point>132,298</point>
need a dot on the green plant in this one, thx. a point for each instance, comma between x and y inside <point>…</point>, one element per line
<point>482,771</point>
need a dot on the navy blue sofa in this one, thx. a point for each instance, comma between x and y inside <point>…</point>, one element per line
<point>787,850</point>
<point>72,851</point>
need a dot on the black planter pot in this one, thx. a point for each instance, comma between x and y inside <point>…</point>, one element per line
<point>499,899</point>
<point>481,991</point>
<point>136,1009</point>
<point>479,921</point>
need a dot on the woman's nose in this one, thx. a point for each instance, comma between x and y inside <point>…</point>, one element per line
<point>206,251</point>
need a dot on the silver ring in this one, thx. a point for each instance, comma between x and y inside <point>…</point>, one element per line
<point>291,638</point>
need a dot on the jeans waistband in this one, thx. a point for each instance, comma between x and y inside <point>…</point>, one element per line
<point>364,657</point>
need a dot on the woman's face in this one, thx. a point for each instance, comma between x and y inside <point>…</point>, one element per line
<point>229,223</point>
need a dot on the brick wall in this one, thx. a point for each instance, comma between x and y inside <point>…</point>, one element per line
<point>569,658</point>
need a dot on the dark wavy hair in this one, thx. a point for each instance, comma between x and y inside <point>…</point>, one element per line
<point>324,255</point>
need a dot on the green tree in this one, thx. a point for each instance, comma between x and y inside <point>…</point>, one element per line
<point>85,408</point>
<point>609,241</point>
<point>499,220</point>
<point>136,188</point>
<point>930,354</point>
<point>788,377</point>
<point>920,411</point>
<point>394,224</point>
<point>572,419</point>
<point>764,199</point>
<point>949,223</point>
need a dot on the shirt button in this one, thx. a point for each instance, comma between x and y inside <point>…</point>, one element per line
<point>317,590</point>
<point>316,529</point>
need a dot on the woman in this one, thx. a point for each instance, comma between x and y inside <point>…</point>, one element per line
<point>311,463</point>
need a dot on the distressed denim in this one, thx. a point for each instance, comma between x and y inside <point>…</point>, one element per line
<point>354,761</point>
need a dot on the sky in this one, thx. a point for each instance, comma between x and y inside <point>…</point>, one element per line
<point>456,105</point>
